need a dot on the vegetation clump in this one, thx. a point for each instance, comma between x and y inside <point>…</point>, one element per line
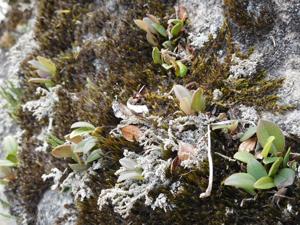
<point>277,171</point>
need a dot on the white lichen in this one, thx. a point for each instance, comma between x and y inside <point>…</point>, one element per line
<point>154,140</point>
<point>56,175</point>
<point>43,107</point>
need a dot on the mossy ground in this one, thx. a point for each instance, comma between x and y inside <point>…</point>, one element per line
<point>124,59</point>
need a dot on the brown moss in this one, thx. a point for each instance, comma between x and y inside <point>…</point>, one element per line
<point>260,16</point>
<point>211,73</point>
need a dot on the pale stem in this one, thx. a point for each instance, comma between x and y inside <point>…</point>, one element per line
<point>211,167</point>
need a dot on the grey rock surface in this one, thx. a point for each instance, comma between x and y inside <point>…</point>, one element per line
<point>54,207</point>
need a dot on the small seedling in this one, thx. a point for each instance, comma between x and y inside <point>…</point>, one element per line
<point>80,145</point>
<point>274,170</point>
<point>46,70</point>
<point>190,101</point>
<point>10,148</point>
<point>130,170</point>
<point>167,56</point>
<point>12,95</point>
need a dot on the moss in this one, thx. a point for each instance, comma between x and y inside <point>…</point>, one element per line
<point>251,16</point>
<point>211,73</point>
<point>125,65</point>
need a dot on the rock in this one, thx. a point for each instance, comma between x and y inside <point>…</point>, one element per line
<point>56,207</point>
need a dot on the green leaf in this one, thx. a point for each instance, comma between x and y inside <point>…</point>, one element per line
<point>198,101</point>
<point>286,158</point>
<point>248,133</point>
<point>47,63</point>
<point>256,169</point>
<point>284,178</point>
<point>156,56</point>
<point>182,69</point>
<point>274,168</point>
<point>176,29</point>
<point>83,125</point>
<point>96,154</point>
<point>85,145</point>
<point>269,160</point>
<point>166,66</point>
<point>80,131</point>
<point>268,146</point>
<point>265,129</point>
<point>78,167</point>
<point>245,157</point>
<point>12,157</point>
<point>264,183</point>
<point>168,45</point>
<point>10,144</point>
<point>241,180</point>
<point>160,29</point>
<point>6,163</point>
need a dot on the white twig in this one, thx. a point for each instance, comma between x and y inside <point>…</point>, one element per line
<point>211,167</point>
<point>225,157</point>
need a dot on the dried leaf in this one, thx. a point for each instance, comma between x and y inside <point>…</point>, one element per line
<point>182,13</point>
<point>153,18</point>
<point>131,133</point>
<point>142,25</point>
<point>62,151</point>
<point>186,151</point>
<point>185,98</point>
<point>248,145</point>
<point>174,164</point>
<point>152,39</point>
<point>75,139</point>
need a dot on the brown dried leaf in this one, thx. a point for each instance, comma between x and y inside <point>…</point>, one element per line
<point>62,151</point>
<point>75,139</point>
<point>248,145</point>
<point>174,164</point>
<point>186,151</point>
<point>142,25</point>
<point>182,13</point>
<point>153,18</point>
<point>131,133</point>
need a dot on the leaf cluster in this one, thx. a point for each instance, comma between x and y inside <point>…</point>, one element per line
<point>165,53</point>
<point>275,169</point>
<point>190,102</point>
<point>10,148</point>
<point>80,145</point>
<point>12,95</point>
